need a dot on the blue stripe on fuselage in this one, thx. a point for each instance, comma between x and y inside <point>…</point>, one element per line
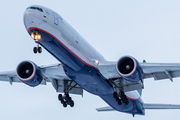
<point>85,75</point>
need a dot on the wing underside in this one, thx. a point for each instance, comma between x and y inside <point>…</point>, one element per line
<point>158,71</point>
<point>55,74</point>
<point>51,74</point>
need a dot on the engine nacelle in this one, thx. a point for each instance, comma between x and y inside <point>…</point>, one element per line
<point>29,73</point>
<point>129,68</point>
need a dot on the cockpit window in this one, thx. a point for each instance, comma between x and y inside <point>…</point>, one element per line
<point>36,8</point>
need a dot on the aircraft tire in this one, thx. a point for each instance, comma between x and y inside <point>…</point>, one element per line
<point>39,49</point>
<point>35,50</point>
<point>124,100</point>
<point>65,104</point>
<point>67,95</point>
<point>60,97</point>
<point>72,103</point>
<point>68,98</point>
<point>117,99</point>
<point>115,95</point>
<point>62,101</point>
<point>119,102</point>
<point>127,102</point>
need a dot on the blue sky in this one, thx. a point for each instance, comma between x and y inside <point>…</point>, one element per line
<point>147,30</point>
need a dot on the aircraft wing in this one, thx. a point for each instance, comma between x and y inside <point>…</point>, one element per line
<point>53,74</point>
<point>158,71</point>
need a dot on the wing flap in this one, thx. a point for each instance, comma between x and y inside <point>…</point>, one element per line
<point>163,75</point>
<point>160,71</point>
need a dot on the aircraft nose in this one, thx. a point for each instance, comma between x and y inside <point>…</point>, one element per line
<point>28,18</point>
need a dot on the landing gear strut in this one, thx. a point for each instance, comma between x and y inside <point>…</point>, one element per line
<point>37,49</point>
<point>66,99</point>
<point>121,97</point>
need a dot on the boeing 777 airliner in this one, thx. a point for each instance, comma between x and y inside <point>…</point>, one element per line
<point>81,67</point>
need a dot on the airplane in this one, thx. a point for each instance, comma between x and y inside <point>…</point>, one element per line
<point>81,67</point>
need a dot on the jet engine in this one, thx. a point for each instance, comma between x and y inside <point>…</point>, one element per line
<point>129,68</point>
<point>29,73</point>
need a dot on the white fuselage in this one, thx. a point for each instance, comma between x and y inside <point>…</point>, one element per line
<point>57,26</point>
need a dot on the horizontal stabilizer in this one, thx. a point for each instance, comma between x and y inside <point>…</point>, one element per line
<point>108,108</point>
<point>160,106</point>
<point>145,106</point>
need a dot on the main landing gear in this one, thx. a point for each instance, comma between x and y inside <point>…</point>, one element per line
<point>121,98</point>
<point>37,49</point>
<point>66,100</point>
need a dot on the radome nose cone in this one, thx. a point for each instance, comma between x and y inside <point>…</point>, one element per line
<point>28,18</point>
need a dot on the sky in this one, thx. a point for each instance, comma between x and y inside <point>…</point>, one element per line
<point>146,30</point>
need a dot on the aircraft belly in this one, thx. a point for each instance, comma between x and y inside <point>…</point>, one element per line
<point>90,79</point>
<point>84,74</point>
<point>134,106</point>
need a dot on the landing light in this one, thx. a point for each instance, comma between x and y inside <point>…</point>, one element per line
<point>96,62</point>
<point>32,35</point>
<point>36,36</point>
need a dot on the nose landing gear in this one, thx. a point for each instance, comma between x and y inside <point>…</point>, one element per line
<point>37,49</point>
<point>36,36</point>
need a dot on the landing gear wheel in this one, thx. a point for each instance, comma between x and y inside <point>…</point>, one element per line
<point>67,95</point>
<point>62,101</point>
<point>60,97</point>
<point>72,103</point>
<point>69,99</point>
<point>117,99</point>
<point>35,49</point>
<point>124,100</point>
<point>65,100</point>
<point>115,94</point>
<point>65,105</point>
<point>123,95</point>
<point>127,102</point>
<point>119,102</point>
<point>39,50</point>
